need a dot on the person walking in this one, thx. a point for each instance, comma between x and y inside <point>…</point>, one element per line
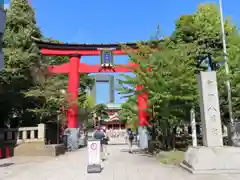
<point>130,138</point>
<point>105,141</point>
<point>101,135</point>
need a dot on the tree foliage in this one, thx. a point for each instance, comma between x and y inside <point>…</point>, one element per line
<point>29,94</point>
<point>21,53</point>
<point>100,110</point>
<point>99,113</point>
<point>129,113</point>
<point>52,89</point>
<point>171,83</point>
<point>201,31</point>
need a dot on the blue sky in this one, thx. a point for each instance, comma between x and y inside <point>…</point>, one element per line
<point>106,21</point>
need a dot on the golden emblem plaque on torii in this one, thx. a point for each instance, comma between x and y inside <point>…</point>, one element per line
<point>106,58</point>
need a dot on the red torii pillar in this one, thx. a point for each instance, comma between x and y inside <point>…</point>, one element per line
<point>142,106</point>
<point>73,84</point>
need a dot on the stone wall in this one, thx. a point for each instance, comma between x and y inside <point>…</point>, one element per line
<point>23,134</point>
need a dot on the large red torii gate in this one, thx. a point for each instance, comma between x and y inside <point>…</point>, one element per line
<point>74,67</point>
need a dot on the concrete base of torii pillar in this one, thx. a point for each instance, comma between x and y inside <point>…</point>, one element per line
<point>143,137</point>
<point>72,139</point>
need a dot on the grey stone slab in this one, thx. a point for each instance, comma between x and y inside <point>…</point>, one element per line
<point>94,168</point>
<point>212,160</point>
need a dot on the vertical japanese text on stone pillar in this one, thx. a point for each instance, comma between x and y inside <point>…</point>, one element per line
<point>210,111</point>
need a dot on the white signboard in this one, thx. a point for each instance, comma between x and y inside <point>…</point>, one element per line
<point>210,111</point>
<point>94,152</point>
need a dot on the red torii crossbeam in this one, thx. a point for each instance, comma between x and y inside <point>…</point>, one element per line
<point>73,68</point>
<point>85,68</point>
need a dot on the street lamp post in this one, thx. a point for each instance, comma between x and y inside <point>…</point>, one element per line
<point>228,85</point>
<point>226,62</point>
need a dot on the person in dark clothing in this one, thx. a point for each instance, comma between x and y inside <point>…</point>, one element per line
<point>130,138</point>
<point>101,135</point>
<point>98,134</point>
<point>105,141</point>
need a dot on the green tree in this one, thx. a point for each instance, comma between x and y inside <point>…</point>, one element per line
<point>100,110</point>
<point>172,84</point>
<point>27,91</point>
<point>52,89</point>
<point>234,66</point>
<point>129,113</point>
<point>21,53</point>
<point>201,31</point>
<point>99,113</point>
<point>54,99</point>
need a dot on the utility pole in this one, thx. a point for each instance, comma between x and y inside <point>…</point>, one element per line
<point>228,84</point>
<point>226,62</point>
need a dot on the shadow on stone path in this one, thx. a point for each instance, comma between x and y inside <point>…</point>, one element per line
<point>119,165</point>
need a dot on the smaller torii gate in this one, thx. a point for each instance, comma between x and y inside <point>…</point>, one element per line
<point>74,67</point>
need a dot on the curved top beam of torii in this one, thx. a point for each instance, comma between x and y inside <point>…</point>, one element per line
<point>66,49</point>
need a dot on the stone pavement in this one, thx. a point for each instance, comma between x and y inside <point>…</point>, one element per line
<point>119,165</point>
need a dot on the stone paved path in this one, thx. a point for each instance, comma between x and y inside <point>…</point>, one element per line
<point>119,165</point>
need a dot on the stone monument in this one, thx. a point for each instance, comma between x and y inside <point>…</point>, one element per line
<point>212,157</point>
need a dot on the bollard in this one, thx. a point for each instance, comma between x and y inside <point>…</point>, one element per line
<point>7,152</point>
<point>4,152</point>
<point>64,139</point>
<point>94,156</point>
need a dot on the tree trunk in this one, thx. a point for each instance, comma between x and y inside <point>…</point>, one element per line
<point>154,132</point>
<point>173,140</point>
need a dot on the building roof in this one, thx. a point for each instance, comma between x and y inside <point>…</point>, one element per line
<point>113,106</point>
<point>112,117</point>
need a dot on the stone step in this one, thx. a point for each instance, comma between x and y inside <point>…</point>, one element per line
<point>38,149</point>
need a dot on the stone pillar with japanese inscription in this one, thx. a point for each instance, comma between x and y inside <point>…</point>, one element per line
<point>210,110</point>
<point>212,157</point>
